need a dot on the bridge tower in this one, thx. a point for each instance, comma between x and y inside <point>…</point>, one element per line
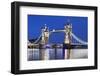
<point>68,30</point>
<point>44,41</point>
<point>45,35</point>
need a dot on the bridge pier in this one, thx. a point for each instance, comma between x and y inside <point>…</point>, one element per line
<point>44,53</point>
<point>67,51</point>
<point>67,54</point>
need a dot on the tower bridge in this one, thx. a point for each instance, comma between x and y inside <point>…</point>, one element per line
<point>45,35</point>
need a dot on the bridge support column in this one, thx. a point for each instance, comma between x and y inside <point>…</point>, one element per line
<point>44,53</point>
<point>67,51</point>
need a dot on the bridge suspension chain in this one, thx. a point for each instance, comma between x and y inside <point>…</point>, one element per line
<point>78,39</point>
<point>38,39</point>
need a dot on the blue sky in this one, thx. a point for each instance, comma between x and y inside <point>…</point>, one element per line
<point>36,22</point>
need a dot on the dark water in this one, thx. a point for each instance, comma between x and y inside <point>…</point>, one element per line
<point>52,54</point>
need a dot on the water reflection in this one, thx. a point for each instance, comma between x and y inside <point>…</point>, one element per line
<point>56,53</point>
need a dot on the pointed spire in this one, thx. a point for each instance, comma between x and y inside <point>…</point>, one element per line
<point>45,27</point>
